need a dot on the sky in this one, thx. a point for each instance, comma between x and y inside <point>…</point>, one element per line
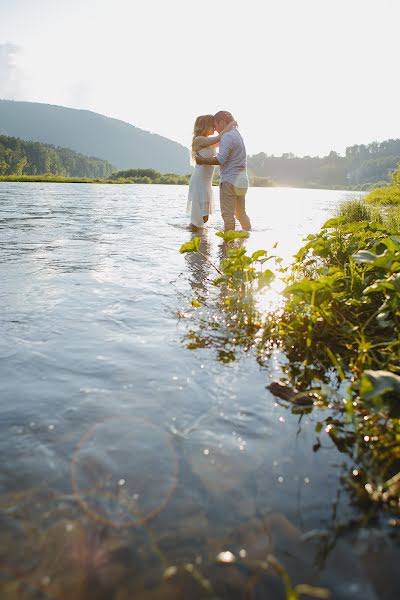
<point>300,76</point>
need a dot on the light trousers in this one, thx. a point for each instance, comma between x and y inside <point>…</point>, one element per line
<point>233,204</point>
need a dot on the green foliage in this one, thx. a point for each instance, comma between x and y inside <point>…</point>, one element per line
<point>20,158</point>
<point>191,246</point>
<point>240,277</point>
<point>359,168</point>
<point>150,176</point>
<point>338,328</point>
<point>355,210</point>
<point>57,179</point>
<point>341,321</point>
<point>386,196</point>
<point>229,236</point>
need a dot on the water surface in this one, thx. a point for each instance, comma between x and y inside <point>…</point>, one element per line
<point>124,453</point>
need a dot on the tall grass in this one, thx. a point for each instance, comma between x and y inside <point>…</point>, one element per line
<point>355,210</point>
<point>386,196</point>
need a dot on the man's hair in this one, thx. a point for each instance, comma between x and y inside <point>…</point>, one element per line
<point>223,115</point>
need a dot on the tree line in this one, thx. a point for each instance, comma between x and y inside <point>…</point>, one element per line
<point>19,157</point>
<point>362,165</point>
<point>149,176</point>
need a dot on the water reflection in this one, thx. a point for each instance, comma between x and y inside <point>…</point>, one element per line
<point>201,271</point>
<point>217,323</point>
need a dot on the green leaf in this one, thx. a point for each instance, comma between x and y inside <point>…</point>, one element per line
<point>356,226</point>
<point>383,260</point>
<point>237,252</point>
<point>192,246</point>
<point>376,383</point>
<point>307,286</point>
<point>363,256</point>
<point>229,236</point>
<point>219,280</point>
<point>256,255</point>
<point>333,223</point>
<point>265,278</point>
<point>391,243</point>
<point>375,226</point>
<point>196,303</point>
<point>263,260</point>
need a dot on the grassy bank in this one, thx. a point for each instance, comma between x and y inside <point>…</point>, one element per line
<point>388,195</point>
<point>52,179</point>
<point>165,180</point>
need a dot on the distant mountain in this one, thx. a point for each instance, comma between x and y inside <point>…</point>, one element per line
<point>120,143</point>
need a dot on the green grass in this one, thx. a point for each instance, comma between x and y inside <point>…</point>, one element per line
<point>166,180</point>
<point>386,196</point>
<point>355,210</point>
<point>54,179</point>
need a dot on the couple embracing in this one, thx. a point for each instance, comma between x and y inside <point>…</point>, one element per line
<point>231,158</point>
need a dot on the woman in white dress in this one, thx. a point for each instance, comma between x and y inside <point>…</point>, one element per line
<point>200,199</point>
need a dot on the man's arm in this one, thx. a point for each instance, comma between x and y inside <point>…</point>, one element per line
<point>225,148</point>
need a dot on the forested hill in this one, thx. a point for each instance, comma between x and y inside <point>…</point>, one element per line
<point>18,157</point>
<point>120,143</point>
<point>362,165</point>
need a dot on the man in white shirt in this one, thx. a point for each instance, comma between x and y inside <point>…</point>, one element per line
<point>232,160</point>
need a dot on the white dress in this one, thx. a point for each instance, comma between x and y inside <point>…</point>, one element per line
<point>200,198</point>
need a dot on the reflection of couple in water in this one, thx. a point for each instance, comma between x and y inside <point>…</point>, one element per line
<point>231,158</point>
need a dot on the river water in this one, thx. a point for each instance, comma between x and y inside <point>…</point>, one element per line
<point>128,462</point>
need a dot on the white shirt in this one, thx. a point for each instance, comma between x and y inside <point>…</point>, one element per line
<point>233,159</point>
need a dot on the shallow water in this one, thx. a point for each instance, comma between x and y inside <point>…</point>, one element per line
<point>123,452</point>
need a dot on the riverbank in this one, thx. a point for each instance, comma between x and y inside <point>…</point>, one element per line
<point>164,180</point>
<point>262,182</point>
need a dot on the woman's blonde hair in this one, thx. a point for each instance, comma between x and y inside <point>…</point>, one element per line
<point>201,125</point>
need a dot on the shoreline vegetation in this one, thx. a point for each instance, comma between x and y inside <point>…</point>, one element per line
<point>160,179</point>
<point>363,168</point>
<point>336,335</point>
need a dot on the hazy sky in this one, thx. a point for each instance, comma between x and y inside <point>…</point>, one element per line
<point>302,76</point>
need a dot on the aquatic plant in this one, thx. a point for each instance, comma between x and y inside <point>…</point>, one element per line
<point>240,277</point>
<point>341,323</point>
<point>339,330</point>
